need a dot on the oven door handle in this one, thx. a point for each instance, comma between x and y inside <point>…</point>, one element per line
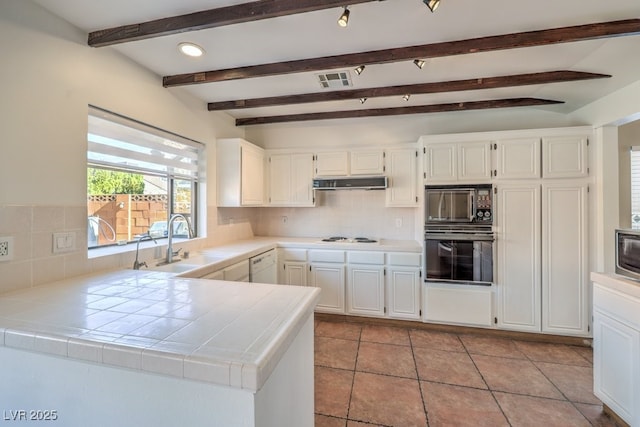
<point>485,237</point>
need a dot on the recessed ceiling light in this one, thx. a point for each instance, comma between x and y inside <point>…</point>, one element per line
<point>190,49</point>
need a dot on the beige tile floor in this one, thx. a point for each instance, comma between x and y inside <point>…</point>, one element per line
<point>371,375</point>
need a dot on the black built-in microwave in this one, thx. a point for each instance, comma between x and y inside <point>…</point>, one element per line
<point>458,204</point>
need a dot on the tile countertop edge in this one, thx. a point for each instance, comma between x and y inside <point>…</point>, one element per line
<point>618,283</point>
<point>253,375</point>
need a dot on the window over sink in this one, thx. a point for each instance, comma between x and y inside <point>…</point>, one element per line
<point>137,177</point>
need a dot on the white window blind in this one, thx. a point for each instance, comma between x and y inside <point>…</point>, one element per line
<point>116,142</point>
<point>635,187</point>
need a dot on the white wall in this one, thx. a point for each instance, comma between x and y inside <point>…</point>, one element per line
<point>48,78</point>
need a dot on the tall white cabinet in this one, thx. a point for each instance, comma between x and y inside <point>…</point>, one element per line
<point>518,256</point>
<point>542,230</point>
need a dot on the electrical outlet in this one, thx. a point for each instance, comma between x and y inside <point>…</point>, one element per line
<point>6,248</point>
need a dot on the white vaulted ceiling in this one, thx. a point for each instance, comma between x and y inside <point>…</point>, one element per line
<point>373,26</point>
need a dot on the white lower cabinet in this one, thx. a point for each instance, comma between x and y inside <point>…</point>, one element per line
<point>327,272</point>
<point>365,284</point>
<point>292,266</point>
<point>403,285</point>
<point>458,304</point>
<point>616,346</point>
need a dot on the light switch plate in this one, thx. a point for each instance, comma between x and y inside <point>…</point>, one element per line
<point>64,242</point>
<point>6,248</point>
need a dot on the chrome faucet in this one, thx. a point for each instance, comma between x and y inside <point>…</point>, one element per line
<point>170,252</point>
<point>136,264</point>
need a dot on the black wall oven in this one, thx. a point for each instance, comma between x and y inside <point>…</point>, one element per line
<point>459,258</point>
<point>459,241</point>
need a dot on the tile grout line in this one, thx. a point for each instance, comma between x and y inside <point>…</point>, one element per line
<point>355,370</point>
<point>485,382</point>
<point>415,365</point>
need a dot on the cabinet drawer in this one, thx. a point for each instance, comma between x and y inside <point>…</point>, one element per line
<point>299,255</point>
<point>404,258</point>
<point>326,256</point>
<point>365,257</point>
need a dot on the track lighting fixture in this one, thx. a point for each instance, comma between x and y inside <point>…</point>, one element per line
<point>419,63</point>
<point>359,70</point>
<point>343,21</point>
<point>432,4</point>
<point>406,97</point>
<point>363,100</point>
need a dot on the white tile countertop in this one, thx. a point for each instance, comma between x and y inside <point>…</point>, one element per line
<point>220,332</point>
<point>228,333</point>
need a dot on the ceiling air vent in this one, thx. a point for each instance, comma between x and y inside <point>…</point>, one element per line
<point>335,80</point>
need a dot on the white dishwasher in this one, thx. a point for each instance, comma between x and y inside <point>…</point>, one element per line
<point>262,268</point>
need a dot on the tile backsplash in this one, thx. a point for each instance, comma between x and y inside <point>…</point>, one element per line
<point>32,229</point>
<point>34,262</point>
<point>350,213</point>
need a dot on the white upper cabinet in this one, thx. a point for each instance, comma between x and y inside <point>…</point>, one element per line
<point>240,173</point>
<point>334,163</point>
<point>517,158</point>
<point>291,179</point>
<point>565,157</point>
<point>402,173</point>
<point>455,162</point>
<point>440,163</point>
<point>367,162</point>
<point>474,161</point>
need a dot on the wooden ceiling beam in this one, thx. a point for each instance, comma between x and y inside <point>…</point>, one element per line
<point>212,18</point>
<point>413,89</point>
<point>434,50</point>
<point>377,112</point>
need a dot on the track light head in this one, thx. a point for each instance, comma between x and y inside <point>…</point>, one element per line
<point>359,69</point>
<point>432,4</point>
<point>406,97</point>
<point>343,21</point>
<point>363,100</point>
<point>419,63</point>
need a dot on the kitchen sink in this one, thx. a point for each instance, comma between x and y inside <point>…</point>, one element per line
<point>175,267</point>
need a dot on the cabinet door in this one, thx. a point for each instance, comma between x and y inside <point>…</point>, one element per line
<point>402,170</point>
<point>252,176</point>
<point>441,163</point>
<point>474,161</point>
<point>403,292</point>
<point>301,179</point>
<point>330,279</point>
<point>518,158</point>
<point>518,257</point>
<point>565,157</point>
<point>280,179</point>
<point>616,376</point>
<point>367,162</point>
<point>365,290</point>
<point>332,164</point>
<point>294,273</point>
<point>564,258</point>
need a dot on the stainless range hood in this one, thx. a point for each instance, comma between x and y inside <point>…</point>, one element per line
<point>351,183</point>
